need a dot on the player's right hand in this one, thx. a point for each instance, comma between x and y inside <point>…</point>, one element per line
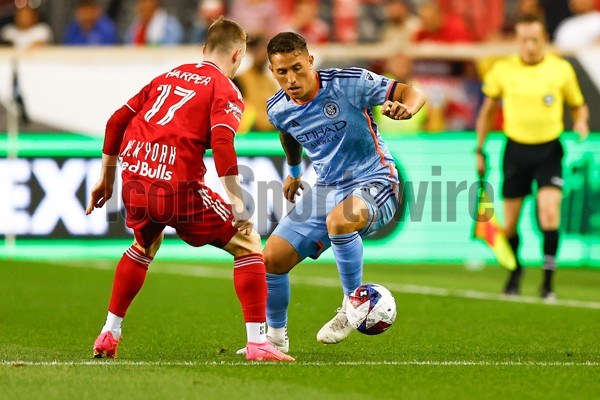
<point>292,187</point>
<point>100,194</point>
<point>396,110</point>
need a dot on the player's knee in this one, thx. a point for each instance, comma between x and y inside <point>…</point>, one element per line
<point>152,249</point>
<point>249,244</point>
<point>336,224</point>
<point>275,262</point>
<point>549,220</point>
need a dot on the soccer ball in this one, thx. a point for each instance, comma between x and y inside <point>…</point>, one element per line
<point>371,309</point>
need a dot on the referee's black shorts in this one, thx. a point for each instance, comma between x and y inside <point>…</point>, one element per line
<point>524,163</point>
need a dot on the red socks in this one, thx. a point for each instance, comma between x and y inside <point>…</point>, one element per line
<point>249,279</point>
<point>129,278</point>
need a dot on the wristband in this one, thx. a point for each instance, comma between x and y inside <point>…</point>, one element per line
<point>295,170</point>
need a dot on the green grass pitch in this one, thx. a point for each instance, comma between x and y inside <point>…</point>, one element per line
<point>454,337</point>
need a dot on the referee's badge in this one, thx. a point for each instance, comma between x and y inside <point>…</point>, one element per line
<point>549,99</point>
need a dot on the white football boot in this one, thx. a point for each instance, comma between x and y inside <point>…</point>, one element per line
<point>338,328</point>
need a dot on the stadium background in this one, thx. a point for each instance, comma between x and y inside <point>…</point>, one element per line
<point>456,336</point>
<point>49,164</point>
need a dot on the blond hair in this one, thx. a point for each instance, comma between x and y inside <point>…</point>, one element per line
<point>223,35</point>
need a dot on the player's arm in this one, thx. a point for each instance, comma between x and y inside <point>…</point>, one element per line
<point>485,119</point>
<point>293,153</point>
<point>405,102</point>
<point>115,130</point>
<point>580,116</point>
<point>227,169</point>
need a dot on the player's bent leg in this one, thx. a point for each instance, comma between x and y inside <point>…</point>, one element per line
<point>152,249</point>
<point>251,288</point>
<point>549,199</point>
<point>241,245</point>
<point>280,257</point>
<point>343,224</point>
<point>250,282</point>
<point>129,279</point>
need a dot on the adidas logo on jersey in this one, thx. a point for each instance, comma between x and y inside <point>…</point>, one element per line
<point>369,77</point>
<point>295,123</point>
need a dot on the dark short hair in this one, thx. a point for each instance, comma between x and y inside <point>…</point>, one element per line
<point>224,34</point>
<point>531,19</point>
<point>287,42</point>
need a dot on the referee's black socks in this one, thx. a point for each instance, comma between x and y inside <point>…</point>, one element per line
<point>514,242</point>
<point>550,250</point>
<point>512,286</point>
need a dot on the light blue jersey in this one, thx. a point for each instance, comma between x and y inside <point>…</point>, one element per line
<point>336,127</point>
<point>337,131</point>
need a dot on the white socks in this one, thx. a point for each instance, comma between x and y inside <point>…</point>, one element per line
<point>256,332</point>
<point>113,324</point>
<point>278,335</point>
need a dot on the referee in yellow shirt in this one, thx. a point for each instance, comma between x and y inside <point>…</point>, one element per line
<point>533,87</point>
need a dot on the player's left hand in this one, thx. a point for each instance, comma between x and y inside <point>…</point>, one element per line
<point>292,188</point>
<point>242,221</point>
<point>396,110</point>
<point>582,128</point>
<point>100,194</point>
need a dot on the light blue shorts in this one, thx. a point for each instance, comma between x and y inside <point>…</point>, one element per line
<point>305,227</point>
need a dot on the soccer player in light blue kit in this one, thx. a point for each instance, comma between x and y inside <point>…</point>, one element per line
<point>327,113</point>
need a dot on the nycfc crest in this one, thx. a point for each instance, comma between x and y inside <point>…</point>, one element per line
<point>331,110</point>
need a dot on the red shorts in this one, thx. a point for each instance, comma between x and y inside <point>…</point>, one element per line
<point>199,216</point>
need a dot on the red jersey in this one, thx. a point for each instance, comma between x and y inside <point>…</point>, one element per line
<point>164,143</point>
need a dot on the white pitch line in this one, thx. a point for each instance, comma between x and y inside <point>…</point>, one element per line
<point>199,271</point>
<point>226,273</point>
<point>300,363</point>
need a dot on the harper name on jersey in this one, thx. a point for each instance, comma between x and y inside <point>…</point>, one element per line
<point>336,128</point>
<point>189,77</point>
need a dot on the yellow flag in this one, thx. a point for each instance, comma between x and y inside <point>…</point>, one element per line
<point>488,229</point>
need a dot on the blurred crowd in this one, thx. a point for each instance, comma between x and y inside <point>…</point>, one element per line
<point>170,22</point>
<point>452,96</point>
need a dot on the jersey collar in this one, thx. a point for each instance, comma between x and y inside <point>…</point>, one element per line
<point>316,92</point>
<point>212,65</point>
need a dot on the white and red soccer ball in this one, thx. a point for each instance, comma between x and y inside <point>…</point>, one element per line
<point>371,309</point>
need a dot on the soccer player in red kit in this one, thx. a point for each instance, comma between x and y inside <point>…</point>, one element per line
<point>160,136</point>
